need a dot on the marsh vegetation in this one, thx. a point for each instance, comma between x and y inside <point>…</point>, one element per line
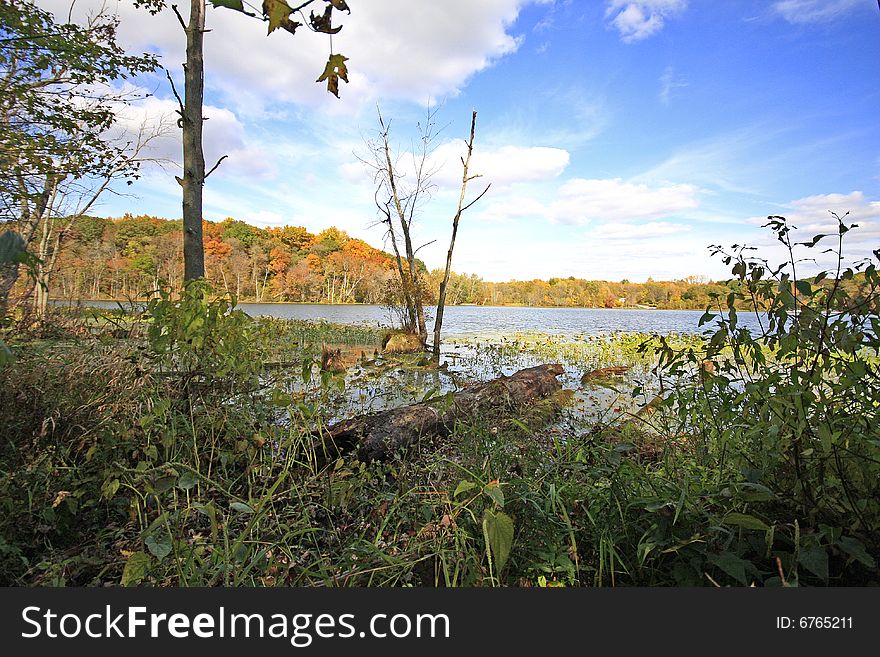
<point>179,448</point>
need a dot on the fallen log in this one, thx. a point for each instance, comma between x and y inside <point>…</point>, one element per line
<point>376,435</point>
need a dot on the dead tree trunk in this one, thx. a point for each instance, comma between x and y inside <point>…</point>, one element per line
<point>376,435</point>
<point>441,299</point>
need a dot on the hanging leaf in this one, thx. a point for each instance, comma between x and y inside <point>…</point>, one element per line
<point>278,12</point>
<point>238,5</point>
<point>498,532</point>
<point>333,71</point>
<point>323,22</point>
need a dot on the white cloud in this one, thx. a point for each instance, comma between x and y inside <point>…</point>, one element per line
<point>648,230</point>
<point>813,11</point>
<point>582,200</point>
<point>223,134</point>
<point>813,215</point>
<point>501,166</point>
<point>407,50</point>
<point>640,19</point>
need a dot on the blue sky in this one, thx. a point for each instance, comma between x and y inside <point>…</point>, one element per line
<point>621,138</point>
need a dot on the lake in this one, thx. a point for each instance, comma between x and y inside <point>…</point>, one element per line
<point>473,320</point>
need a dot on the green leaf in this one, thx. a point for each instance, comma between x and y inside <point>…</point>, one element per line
<point>463,487</point>
<point>238,5</point>
<point>494,492</point>
<point>856,549</point>
<point>108,490</point>
<point>135,570</point>
<point>732,565</point>
<point>745,521</point>
<point>815,559</point>
<point>241,507</point>
<point>804,288</point>
<point>333,71</point>
<point>159,544</point>
<point>498,532</point>
<point>187,480</point>
<point>165,483</point>
<point>753,492</point>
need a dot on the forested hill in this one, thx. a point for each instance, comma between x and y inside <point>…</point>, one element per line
<point>125,257</point>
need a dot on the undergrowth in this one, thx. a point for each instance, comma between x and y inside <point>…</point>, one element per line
<point>180,448</point>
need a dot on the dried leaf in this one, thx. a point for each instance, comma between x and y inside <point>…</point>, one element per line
<point>323,22</point>
<point>340,5</point>
<point>333,71</point>
<point>278,12</point>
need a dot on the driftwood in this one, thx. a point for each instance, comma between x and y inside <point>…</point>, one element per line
<point>376,435</point>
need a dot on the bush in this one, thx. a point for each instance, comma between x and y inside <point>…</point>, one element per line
<point>792,414</point>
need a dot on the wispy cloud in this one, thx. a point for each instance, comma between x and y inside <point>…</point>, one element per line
<point>640,19</point>
<point>669,82</point>
<point>582,200</point>
<point>812,215</point>
<point>814,11</point>
<point>651,229</point>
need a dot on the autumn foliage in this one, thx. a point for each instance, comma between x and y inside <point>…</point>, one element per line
<point>130,256</point>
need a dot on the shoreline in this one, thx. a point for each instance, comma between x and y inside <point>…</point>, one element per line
<point>78,302</point>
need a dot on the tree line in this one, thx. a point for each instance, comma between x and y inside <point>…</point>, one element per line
<point>128,257</point>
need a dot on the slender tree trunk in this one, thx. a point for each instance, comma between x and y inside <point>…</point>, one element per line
<point>441,301</point>
<point>193,156</point>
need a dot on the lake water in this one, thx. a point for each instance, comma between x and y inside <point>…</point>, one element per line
<point>471,320</point>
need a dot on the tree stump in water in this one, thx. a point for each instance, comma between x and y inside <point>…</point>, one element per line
<point>376,435</point>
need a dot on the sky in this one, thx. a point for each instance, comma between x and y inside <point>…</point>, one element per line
<point>621,138</point>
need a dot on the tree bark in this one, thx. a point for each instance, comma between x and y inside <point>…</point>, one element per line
<point>193,156</point>
<point>377,435</point>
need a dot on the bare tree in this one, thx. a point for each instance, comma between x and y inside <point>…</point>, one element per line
<point>399,200</point>
<point>401,193</point>
<point>465,179</point>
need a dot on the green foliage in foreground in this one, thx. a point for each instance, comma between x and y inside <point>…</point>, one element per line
<point>181,459</point>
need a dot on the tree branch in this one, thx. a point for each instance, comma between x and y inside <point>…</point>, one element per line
<point>179,17</point>
<point>177,96</point>
<point>215,166</point>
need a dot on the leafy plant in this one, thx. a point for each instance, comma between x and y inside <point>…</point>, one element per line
<point>794,410</point>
